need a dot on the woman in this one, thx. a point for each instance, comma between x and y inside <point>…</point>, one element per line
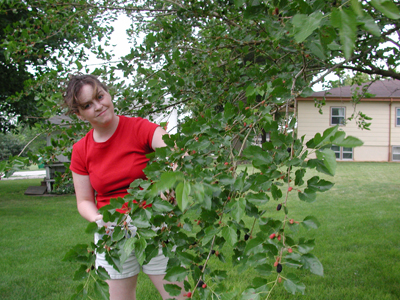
<point>104,163</point>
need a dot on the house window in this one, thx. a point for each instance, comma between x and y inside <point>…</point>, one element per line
<point>343,153</point>
<point>397,116</point>
<point>396,153</point>
<point>337,115</point>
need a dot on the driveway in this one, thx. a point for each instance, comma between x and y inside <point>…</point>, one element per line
<point>27,175</point>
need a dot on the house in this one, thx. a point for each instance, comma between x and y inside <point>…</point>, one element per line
<point>58,164</point>
<point>381,142</point>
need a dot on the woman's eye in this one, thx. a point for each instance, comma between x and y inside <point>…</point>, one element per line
<point>100,97</point>
<point>86,106</point>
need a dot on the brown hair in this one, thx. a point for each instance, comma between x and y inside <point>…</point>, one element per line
<point>75,84</point>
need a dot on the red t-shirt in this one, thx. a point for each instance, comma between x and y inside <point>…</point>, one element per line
<point>114,164</point>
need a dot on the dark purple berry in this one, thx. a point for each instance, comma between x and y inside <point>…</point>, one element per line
<point>200,283</point>
<point>279,268</point>
<point>246,237</point>
<point>278,208</point>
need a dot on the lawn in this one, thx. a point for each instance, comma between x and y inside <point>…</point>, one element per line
<point>358,241</point>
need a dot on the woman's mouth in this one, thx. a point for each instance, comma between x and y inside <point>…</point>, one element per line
<point>102,113</point>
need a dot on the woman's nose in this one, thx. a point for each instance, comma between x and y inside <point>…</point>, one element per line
<point>97,105</point>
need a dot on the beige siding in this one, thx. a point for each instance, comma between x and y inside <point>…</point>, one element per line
<point>376,141</point>
<point>395,129</point>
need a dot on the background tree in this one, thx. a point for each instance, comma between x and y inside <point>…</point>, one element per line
<point>32,40</point>
<point>231,66</point>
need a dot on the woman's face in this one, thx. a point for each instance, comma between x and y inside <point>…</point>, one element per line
<point>97,108</point>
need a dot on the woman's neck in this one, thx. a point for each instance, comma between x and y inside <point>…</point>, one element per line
<point>102,133</point>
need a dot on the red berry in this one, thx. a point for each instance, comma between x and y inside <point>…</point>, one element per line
<point>280,279</point>
<point>290,188</point>
<point>276,264</point>
<point>226,163</point>
<point>204,286</point>
<point>290,250</point>
<point>291,221</point>
<point>247,108</point>
<point>279,237</point>
<point>189,295</point>
<point>272,236</point>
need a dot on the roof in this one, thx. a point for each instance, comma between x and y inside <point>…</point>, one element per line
<point>383,90</point>
<point>60,120</point>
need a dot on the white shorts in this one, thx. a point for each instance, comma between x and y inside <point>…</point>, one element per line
<point>131,267</point>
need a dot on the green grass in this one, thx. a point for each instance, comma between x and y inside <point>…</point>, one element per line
<point>358,241</point>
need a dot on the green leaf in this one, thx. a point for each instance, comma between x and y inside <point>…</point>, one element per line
<point>299,176</point>
<point>237,208</point>
<point>118,233</point>
<point>152,82</point>
<point>317,49</point>
<point>209,233</point>
<point>368,23</point>
<point>176,273</point>
<point>250,90</point>
<point>198,194</point>
<point>250,294</point>
<point>350,142</point>
<point>292,284</point>
<point>228,295</point>
<point>239,3</point>
<point>259,156</point>
<point>172,289</point>
<point>264,269</point>
<point>182,192</point>
<point>140,246</point>
<point>81,293</point>
<point>102,272</point>
<point>316,184</point>
<point>162,205</point>
<point>312,263</point>
<point>310,222</point>
<point>127,249</point>
<point>147,233</point>
<point>356,6</point>
<point>308,195</point>
<point>229,111</point>
<point>345,20</point>
<point>91,228</point>
<point>140,221</point>
<point>305,25</point>
<point>254,246</point>
<point>257,199</point>
<point>305,246</point>
<point>81,273</point>
<point>387,7</point>
<point>168,179</point>
<point>328,157</point>
<point>101,290</point>
<point>276,192</point>
<point>229,235</point>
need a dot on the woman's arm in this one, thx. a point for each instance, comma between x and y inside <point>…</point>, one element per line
<point>85,197</point>
<point>157,141</point>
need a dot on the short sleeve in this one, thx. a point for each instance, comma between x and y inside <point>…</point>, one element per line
<point>78,165</point>
<point>145,132</point>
